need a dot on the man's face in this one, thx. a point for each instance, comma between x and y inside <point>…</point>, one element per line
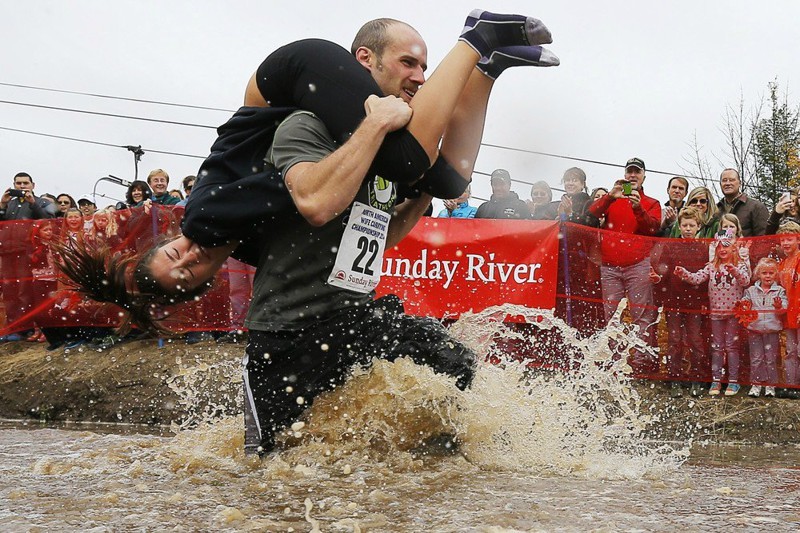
<point>729,183</point>
<point>87,208</point>
<point>158,183</point>
<point>500,187</point>
<point>677,191</point>
<point>401,69</point>
<point>23,183</point>
<point>636,176</point>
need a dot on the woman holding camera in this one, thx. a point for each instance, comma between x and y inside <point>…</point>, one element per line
<point>786,209</point>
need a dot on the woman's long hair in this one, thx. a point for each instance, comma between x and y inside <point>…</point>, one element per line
<point>704,192</point>
<point>102,275</point>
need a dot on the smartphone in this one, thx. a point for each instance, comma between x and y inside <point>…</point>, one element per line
<point>16,193</point>
<point>786,196</point>
<point>626,188</point>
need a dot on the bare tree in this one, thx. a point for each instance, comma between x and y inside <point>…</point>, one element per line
<point>739,122</point>
<point>699,167</point>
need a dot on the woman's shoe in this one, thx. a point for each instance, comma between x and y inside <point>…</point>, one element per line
<point>715,389</point>
<point>755,391</point>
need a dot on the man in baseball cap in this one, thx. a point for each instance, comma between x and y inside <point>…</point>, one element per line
<point>625,269</point>
<point>87,206</point>
<point>504,202</point>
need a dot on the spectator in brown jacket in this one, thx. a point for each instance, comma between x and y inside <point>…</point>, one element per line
<point>752,214</point>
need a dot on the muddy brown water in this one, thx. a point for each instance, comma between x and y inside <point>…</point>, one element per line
<point>585,451</point>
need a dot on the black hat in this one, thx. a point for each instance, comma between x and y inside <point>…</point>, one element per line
<point>635,162</point>
<point>501,174</point>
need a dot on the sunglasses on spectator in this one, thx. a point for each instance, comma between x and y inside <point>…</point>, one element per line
<point>64,202</point>
<point>698,201</point>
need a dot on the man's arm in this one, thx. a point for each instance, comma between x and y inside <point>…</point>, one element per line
<point>648,221</point>
<point>760,217</point>
<point>41,208</point>
<point>599,207</point>
<point>405,217</point>
<point>323,190</point>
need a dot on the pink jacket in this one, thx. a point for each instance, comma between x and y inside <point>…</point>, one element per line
<point>724,289</point>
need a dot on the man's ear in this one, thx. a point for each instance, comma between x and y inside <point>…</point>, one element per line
<point>365,56</point>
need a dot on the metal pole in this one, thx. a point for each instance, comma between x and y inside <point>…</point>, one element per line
<point>562,230</point>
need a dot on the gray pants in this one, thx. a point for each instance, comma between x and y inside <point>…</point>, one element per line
<point>764,351</point>
<point>633,281</point>
<point>725,347</point>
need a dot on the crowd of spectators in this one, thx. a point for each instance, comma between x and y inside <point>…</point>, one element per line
<point>28,256</point>
<point>748,304</point>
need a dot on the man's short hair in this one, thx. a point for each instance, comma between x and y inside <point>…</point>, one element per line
<point>738,176</point>
<point>23,175</point>
<point>374,35</point>
<point>156,172</point>
<point>681,178</point>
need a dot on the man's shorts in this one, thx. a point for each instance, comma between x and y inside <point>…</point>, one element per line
<point>281,366</point>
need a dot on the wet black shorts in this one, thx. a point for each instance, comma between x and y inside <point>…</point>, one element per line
<point>316,359</point>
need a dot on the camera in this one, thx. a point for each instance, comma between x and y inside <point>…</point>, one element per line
<point>16,193</point>
<point>626,188</point>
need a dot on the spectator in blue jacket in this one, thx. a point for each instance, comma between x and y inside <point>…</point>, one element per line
<point>459,208</point>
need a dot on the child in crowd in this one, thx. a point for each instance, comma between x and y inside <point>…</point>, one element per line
<point>43,271</point>
<point>104,229</point>
<point>788,277</point>
<point>730,222</point>
<point>683,303</point>
<point>727,275</point>
<point>767,299</point>
<point>72,229</point>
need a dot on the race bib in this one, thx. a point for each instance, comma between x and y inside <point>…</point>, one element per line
<point>360,256</point>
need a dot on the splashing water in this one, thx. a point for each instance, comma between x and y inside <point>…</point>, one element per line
<point>586,421</point>
<point>395,448</point>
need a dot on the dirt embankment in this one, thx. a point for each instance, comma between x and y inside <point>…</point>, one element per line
<point>139,382</point>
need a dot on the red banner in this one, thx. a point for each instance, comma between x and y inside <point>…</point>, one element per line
<point>445,267</point>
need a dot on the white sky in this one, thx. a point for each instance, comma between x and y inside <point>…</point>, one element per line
<point>636,79</point>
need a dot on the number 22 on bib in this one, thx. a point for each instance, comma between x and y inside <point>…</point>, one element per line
<point>360,256</point>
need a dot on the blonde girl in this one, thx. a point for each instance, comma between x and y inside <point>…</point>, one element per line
<point>727,275</point>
